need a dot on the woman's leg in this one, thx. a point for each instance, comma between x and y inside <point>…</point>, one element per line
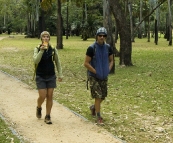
<point>49,100</point>
<point>42,95</point>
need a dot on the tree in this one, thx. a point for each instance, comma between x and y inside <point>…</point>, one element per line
<point>67,29</point>
<point>107,22</point>
<point>156,24</point>
<point>59,26</point>
<point>123,26</point>
<point>170,21</point>
<point>12,16</point>
<point>131,20</point>
<point>151,12</point>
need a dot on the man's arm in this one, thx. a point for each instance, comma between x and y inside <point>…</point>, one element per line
<point>111,62</point>
<point>87,64</point>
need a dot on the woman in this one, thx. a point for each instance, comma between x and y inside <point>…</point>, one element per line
<point>44,57</point>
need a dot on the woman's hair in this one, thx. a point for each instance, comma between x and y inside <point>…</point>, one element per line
<point>44,33</point>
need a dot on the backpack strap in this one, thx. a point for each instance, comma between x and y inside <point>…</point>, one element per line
<point>53,53</point>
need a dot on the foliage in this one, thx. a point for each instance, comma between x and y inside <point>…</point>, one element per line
<point>139,105</point>
<point>47,4</point>
<point>16,13</point>
<point>13,16</point>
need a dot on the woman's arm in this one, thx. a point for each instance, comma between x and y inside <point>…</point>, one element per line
<point>37,55</point>
<point>58,64</point>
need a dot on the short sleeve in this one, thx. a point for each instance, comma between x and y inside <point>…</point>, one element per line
<point>90,52</point>
<point>110,51</point>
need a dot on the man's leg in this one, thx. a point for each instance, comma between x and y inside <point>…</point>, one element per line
<point>99,119</point>
<point>98,106</point>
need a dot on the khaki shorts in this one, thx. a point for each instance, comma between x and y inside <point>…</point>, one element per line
<point>98,88</point>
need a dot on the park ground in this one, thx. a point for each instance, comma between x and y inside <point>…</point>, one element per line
<point>18,106</point>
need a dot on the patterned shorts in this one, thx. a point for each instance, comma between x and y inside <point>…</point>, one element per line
<point>98,87</point>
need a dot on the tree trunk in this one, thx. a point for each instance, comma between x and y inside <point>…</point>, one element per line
<point>37,18</point>
<point>28,24</point>
<point>124,32</point>
<point>170,21</point>
<point>85,22</point>
<point>140,19</point>
<point>167,28</point>
<point>156,24</point>
<point>131,21</point>
<point>59,26</point>
<point>116,34</point>
<point>148,30</point>
<point>41,21</point>
<point>107,22</point>
<point>156,32</point>
<point>67,30</point>
<point>148,35</point>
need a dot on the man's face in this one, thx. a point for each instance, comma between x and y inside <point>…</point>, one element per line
<point>101,38</point>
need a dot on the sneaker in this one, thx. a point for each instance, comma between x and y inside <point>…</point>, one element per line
<point>92,108</point>
<point>99,121</point>
<point>38,112</point>
<point>47,119</point>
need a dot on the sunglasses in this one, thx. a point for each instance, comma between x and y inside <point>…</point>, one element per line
<point>102,35</point>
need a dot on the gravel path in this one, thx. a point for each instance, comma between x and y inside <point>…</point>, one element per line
<point>18,106</point>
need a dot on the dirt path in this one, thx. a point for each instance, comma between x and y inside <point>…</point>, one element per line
<point>18,106</point>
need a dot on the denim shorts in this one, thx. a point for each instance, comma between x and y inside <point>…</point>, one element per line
<point>45,82</point>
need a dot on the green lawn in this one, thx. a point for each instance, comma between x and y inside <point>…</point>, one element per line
<point>138,108</point>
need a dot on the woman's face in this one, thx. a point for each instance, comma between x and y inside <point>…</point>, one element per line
<point>45,38</point>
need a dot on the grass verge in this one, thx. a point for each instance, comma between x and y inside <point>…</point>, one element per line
<point>6,135</point>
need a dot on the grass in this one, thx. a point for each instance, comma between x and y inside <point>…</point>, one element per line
<point>138,108</point>
<point>5,134</point>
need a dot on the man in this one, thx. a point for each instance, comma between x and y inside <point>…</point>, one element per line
<point>99,61</point>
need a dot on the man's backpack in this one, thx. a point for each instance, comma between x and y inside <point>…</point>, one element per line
<point>53,59</point>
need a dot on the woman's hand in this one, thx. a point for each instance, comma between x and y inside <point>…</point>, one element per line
<point>59,79</point>
<point>43,47</point>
